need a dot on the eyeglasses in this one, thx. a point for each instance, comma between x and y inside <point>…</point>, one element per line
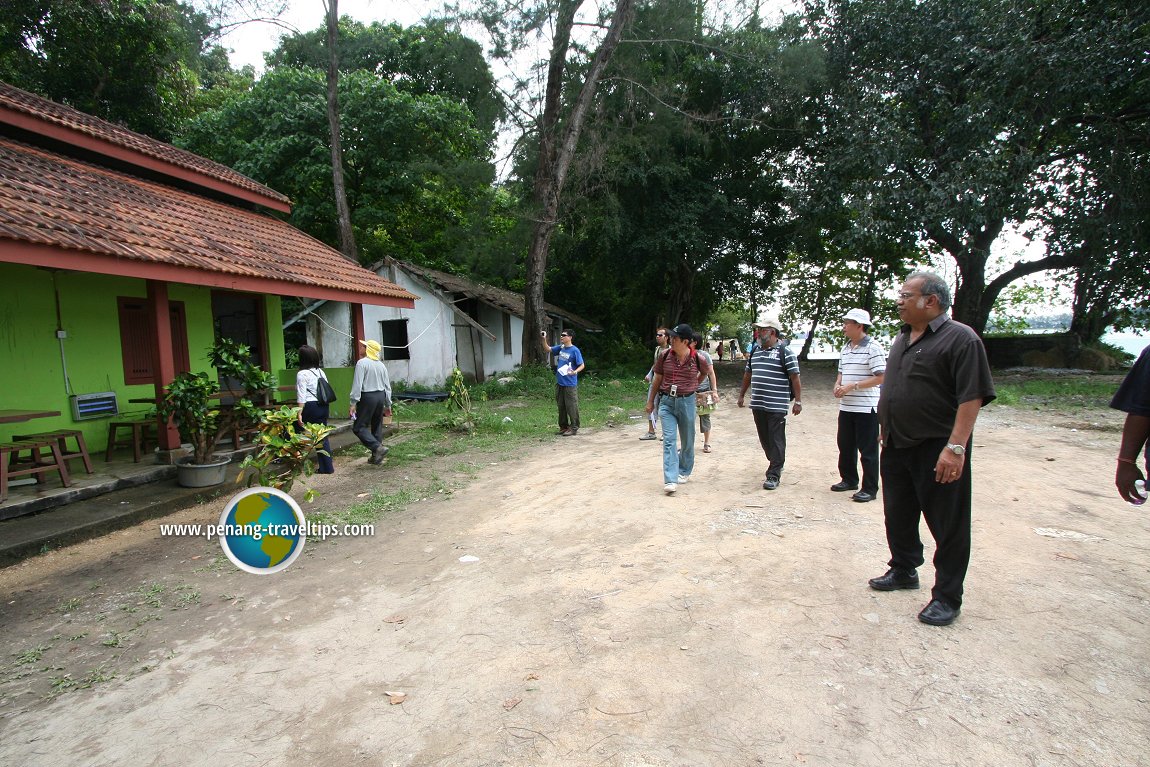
<point>564,335</point>
<point>660,335</point>
<point>907,296</point>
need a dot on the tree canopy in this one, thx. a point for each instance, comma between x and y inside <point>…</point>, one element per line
<point>951,117</point>
<point>418,177</point>
<point>695,160</point>
<point>132,62</point>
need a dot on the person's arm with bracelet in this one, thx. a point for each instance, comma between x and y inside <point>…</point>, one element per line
<point>1135,432</point>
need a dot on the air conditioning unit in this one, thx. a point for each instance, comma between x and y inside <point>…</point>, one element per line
<point>96,405</point>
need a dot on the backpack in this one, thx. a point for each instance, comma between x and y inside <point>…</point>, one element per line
<point>324,394</point>
<point>783,352</point>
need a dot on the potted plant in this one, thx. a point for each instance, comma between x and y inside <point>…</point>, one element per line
<point>191,400</point>
<point>285,449</point>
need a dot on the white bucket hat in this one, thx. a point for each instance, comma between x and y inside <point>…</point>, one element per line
<point>861,316</point>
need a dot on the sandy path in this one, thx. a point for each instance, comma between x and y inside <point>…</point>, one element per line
<point>608,624</point>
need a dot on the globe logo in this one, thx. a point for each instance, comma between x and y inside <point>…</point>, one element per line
<point>262,530</point>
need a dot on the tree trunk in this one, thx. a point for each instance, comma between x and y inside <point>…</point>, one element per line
<point>1090,312</point>
<point>346,235</point>
<point>820,307</point>
<point>682,287</point>
<point>973,298</point>
<point>555,159</point>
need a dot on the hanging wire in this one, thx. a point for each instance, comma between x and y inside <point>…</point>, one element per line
<point>330,327</point>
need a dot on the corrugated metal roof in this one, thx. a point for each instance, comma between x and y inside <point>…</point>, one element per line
<point>507,300</point>
<point>47,199</point>
<point>46,111</point>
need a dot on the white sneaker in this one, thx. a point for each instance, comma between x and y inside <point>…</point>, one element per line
<point>670,488</point>
<point>683,479</point>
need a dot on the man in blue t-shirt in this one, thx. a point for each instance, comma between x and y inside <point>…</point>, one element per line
<point>570,364</point>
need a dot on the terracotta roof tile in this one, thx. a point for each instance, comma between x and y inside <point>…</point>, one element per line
<point>48,199</point>
<point>66,117</point>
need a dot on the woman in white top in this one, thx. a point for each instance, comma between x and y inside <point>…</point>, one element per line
<point>313,411</point>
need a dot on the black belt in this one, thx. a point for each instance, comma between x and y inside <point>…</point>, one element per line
<point>680,394</point>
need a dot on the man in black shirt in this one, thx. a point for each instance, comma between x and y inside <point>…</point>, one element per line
<point>937,377</point>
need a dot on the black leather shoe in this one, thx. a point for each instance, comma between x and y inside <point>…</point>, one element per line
<point>938,613</point>
<point>862,497</point>
<point>770,483</point>
<point>842,487</point>
<point>894,579</point>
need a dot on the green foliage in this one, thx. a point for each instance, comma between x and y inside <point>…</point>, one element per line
<point>285,449</point>
<point>951,120</point>
<point>418,178</point>
<point>132,62</point>
<point>422,60</point>
<point>732,320</point>
<point>460,414</point>
<point>1014,307</point>
<point>189,398</point>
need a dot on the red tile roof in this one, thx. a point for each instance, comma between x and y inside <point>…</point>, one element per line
<point>115,223</point>
<point>98,135</point>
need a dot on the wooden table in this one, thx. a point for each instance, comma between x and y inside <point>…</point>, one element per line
<point>19,416</point>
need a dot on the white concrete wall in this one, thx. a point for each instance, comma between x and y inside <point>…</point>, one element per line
<point>494,360</point>
<point>329,330</point>
<point>429,333</point>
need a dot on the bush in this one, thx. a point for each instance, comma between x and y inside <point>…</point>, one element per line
<point>1116,357</point>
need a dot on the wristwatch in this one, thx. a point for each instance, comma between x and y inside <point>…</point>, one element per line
<point>956,449</point>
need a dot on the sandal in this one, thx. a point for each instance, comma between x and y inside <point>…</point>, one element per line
<point>706,448</point>
<point>647,436</point>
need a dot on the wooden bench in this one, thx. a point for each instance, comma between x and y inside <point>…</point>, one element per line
<point>61,436</point>
<point>12,466</point>
<point>138,438</point>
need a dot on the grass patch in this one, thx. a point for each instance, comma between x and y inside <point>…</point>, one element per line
<point>32,654</point>
<point>69,605</point>
<point>1068,392</point>
<point>95,676</point>
<point>370,509</point>
<point>507,415</point>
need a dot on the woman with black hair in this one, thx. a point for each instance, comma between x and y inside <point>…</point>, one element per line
<point>311,409</point>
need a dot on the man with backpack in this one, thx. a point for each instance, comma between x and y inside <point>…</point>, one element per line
<point>676,379</point>
<point>772,375</point>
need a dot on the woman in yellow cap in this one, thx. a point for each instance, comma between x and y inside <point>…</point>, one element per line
<point>370,400</point>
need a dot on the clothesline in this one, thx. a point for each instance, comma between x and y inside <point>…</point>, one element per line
<point>430,325</point>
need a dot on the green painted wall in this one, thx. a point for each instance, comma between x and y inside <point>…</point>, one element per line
<point>340,379</point>
<point>30,352</point>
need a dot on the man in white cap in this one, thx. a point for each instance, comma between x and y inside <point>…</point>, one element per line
<point>370,400</point>
<point>772,375</point>
<point>862,363</point>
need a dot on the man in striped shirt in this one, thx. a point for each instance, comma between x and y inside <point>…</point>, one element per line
<point>862,363</point>
<point>772,375</point>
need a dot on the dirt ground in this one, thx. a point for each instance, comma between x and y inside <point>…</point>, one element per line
<point>607,624</point>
